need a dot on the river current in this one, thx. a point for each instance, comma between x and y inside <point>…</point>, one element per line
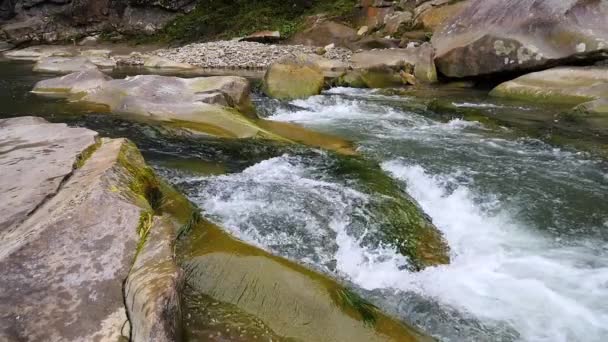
<point>527,222</point>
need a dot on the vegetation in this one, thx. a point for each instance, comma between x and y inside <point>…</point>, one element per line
<point>367,310</point>
<point>215,19</point>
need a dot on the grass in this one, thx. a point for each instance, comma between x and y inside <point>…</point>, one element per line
<point>186,228</point>
<point>367,310</point>
<point>225,19</point>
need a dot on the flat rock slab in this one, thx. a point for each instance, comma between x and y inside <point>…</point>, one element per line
<point>561,85</point>
<point>63,267</point>
<point>35,158</point>
<point>65,65</point>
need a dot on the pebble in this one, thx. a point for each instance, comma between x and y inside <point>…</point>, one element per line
<point>242,55</point>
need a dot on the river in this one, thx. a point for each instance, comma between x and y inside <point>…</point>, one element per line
<point>527,222</point>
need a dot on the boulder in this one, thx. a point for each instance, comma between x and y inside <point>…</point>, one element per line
<point>34,53</point>
<point>496,36</point>
<point>63,65</point>
<point>72,84</point>
<point>398,22</point>
<point>71,238</point>
<point>267,37</point>
<point>421,58</point>
<point>564,85</point>
<point>324,33</point>
<point>293,78</point>
<point>157,62</point>
<point>436,16</point>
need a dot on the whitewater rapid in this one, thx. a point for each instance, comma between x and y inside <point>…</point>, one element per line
<point>528,261</point>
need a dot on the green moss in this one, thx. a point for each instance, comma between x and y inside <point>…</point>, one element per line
<point>401,222</point>
<point>146,220</point>
<point>86,154</point>
<point>216,19</point>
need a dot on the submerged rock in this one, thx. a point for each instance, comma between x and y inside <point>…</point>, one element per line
<point>156,62</point>
<point>493,36</point>
<point>567,85</point>
<point>287,301</point>
<point>293,78</point>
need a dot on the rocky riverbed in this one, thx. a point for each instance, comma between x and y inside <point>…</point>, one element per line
<point>235,54</point>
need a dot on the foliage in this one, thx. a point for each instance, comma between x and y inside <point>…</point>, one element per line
<point>367,310</point>
<point>225,19</point>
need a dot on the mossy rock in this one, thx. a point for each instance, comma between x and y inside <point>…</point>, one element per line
<point>562,85</point>
<point>293,78</point>
<point>255,293</point>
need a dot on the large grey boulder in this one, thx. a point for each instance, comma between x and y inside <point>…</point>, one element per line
<point>64,262</point>
<point>494,36</point>
<point>76,220</point>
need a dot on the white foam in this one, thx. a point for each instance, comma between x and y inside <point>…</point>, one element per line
<point>499,271</point>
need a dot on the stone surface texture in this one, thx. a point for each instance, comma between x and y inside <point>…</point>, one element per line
<point>64,265</point>
<point>496,36</point>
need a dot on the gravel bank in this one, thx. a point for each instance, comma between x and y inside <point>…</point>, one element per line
<point>241,55</point>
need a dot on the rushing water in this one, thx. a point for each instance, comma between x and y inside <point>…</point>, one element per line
<point>527,223</point>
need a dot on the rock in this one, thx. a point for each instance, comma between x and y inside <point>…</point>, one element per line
<point>398,22</point>
<point>269,294</point>
<point>371,43</point>
<point>267,37</point>
<point>96,53</point>
<point>4,46</point>
<point>153,288</point>
<point>329,47</point>
<point>89,41</point>
<point>325,33</point>
<point>596,107</point>
<point>436,16</point>
<point>63,20</point>
<point>242,55</point>
<point>495,36</point>
<point>103,63</point>
<point>179,102</point>
<point>567,85</point>
<point>63,65</point>
<point>363,31</point>
<point>164,63</point>
<point>34,53</point>
<point>293,78</point>
<point>421,58</point>
<point>374,14</point>
<point>330,67</point>
<point>72,84</point>
<point>27,144</point>
<point>66,259</point>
